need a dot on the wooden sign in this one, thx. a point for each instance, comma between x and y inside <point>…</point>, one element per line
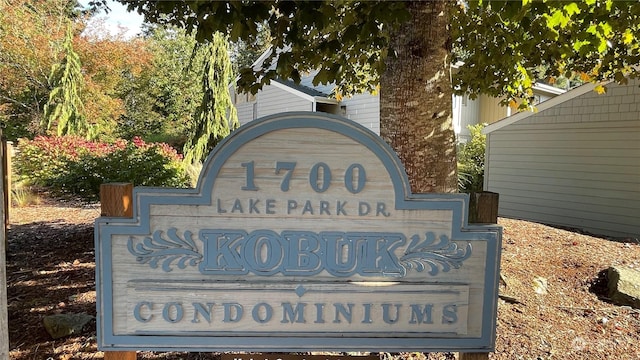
<point>302,235</point>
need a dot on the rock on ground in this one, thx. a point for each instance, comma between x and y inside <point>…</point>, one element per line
<point>61,325</point>
<point>624,286</point>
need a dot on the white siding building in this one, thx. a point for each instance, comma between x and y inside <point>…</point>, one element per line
<point>282,96</point>
<point>487,110</point>
<point>574,163</point>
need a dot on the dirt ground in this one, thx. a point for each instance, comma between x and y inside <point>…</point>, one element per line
<point>553,294</point>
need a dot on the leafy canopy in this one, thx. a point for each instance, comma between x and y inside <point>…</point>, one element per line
<point>34,39</point>
<point>513,44</point>
<point>338,38</point>
<point>30,38</point>
<point>502,43</point>
<point>110,64</point>
<point>161,100</point>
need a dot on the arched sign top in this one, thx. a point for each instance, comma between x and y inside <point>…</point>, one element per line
<point>301,235</point>
<point>311,120</point>
<point>320,127</point>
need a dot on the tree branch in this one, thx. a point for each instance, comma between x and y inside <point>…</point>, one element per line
<point>14,101</point>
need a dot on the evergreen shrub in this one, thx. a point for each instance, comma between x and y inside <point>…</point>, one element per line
<point>471,161</point>
<point>70,165</point>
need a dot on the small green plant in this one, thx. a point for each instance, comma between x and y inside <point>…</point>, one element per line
<point>24,196</point>
<point>193,172</point>
<point>471,161</point>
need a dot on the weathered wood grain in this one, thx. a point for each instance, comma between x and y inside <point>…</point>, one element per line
<point>115,201</point>
<point>4,320</point>
<point>120,355</point>
<point>485,211</point>
<point>299,238</point>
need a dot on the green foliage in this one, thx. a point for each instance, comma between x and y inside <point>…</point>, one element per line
<point>338,38</point>
<point>509,42</point>
<point>73,166</point>
<point>245,53</point>
<point>471,161</point>
<point>24,196</point>
<point>216,116</point>
<point>41,160</point>
<point>30,36</point>
<point>65,107</point>
<point>193,172</point>
<point>140,166</point>
<point>161,101</point>
<point>501,42</point>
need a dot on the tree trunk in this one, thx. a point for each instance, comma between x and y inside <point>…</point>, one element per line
<point>415,98</point>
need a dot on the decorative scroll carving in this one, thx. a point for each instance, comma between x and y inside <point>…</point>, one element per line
<point>157,249</point>
<point>370,254</point>
<point>437,256</point>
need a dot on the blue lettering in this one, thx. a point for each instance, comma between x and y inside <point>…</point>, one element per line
<point>341,310</point>
<point>381,209</point>
<point>387,317</point>
<point>367,314</point>
<point>340,208</point>
<point>253,206</point>
<point>324,208</point>
<point>291,205</point>
<point>237,206</point>
<point>290,316</point>
<point>137,311</point>
<point>303,253</point>
<point>205,313</point>
<point>341,254</point>
<point>263,252</point>
<point>307,208</point>
<point>379,250</point>
<point>450,314</point>
<point>232,312</point>
<point>271,203</point>
<point>172,312</point>
<point>363,208</point>
<point>319,313</point>
<point>262,313</point>
<point>221,251</point>
<point>220,209</point>
<point>421,315</point>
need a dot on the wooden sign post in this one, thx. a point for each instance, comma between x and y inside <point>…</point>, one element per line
<point>115,201</point>
<point>301,235</point>
<point>4,317</point>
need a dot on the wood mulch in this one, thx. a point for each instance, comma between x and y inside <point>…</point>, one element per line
<point>553,290</point>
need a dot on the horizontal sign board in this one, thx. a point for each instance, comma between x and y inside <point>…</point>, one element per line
<point>301,235</point>
<point>306,309</point>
